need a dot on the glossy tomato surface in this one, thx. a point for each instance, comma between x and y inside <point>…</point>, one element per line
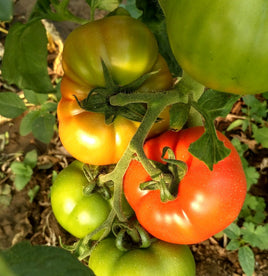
<point>221,44</point>
<point>207,201</point>
<point>129,50</point>
<point>76,212</point>
<point>159,259</point>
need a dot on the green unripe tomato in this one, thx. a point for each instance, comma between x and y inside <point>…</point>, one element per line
<point>221,44</point>
<point>160,259</point>
<point>76,212</point>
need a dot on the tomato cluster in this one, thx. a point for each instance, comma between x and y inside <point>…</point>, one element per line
<point>204,202</point>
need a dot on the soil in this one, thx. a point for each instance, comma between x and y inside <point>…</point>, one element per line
<point>22,219</point>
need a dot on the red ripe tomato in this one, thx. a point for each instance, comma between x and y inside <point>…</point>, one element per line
<point>207,201</point>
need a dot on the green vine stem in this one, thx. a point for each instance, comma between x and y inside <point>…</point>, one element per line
<point>155,104</point>
<point>132,236</point>
<point>106,228</point>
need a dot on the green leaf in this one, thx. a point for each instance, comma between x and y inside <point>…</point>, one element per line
<point>187,84</point>
<point>27,122</point>
<point>235,124</point>
<point>265,95</point>
<point>253,209</point>
<point>194,118</point>
<point>131,7</point>
<point>25,57</point>
<point>5,196</point>
<point>179,115</point>
<point>261,135</point>
<point>153,17</point>
<point>247,260</point>
<point>49,106</point>
<point>159,30</point>
<point>43,127</point>
<point>256,236</point>
<point>233,245</point>
<point>232,231</point>
<point>23,174</point>
<point>245,125</point>
<point>54,10</point>
<point>240,147</point>
<point>209,149</point>
<point>19,168</point>
<point>33,192</point>
<point>217,104</point>
<point>11,105</point>
<point>35,98</point>
<point>257,108</point>
<point>210,105</point>
<point>252,175</point>
<point>151,11</point>
<point>25,259</point>
<point>107,5</point>
<point>6,10</point>
<point>4,268</point>
<point>30,158</point>
<point>255,203</point>
<point>21,181</point>
<point>5,200</point>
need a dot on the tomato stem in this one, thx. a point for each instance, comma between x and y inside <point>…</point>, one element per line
<point>156,102</point>
<point>131,235</point>
<point>105,228</point>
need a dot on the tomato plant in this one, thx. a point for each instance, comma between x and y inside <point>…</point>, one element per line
<point>159,259</point>
<point>115,84</point>
<point>207,201</point>
<point>222,44</point>
<point>76,212</point>
<point>85,134</point>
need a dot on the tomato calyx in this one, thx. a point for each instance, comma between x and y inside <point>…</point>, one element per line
<point>131,235</point>
<point>92,174</point>
<point>98,99</point>
<point>78,249</point>
<point>168,180</point>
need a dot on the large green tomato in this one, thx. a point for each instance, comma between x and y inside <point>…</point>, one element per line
<point>76,212</point>
<point>159,259</point>
<point>221,44</point>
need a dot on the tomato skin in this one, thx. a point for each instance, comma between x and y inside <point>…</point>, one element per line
<point>77,213</point>
<point>159,259</point>
<point>125,44</point>
<point>207,201</point>
<point>221,44</point>
<point>84,134</point>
